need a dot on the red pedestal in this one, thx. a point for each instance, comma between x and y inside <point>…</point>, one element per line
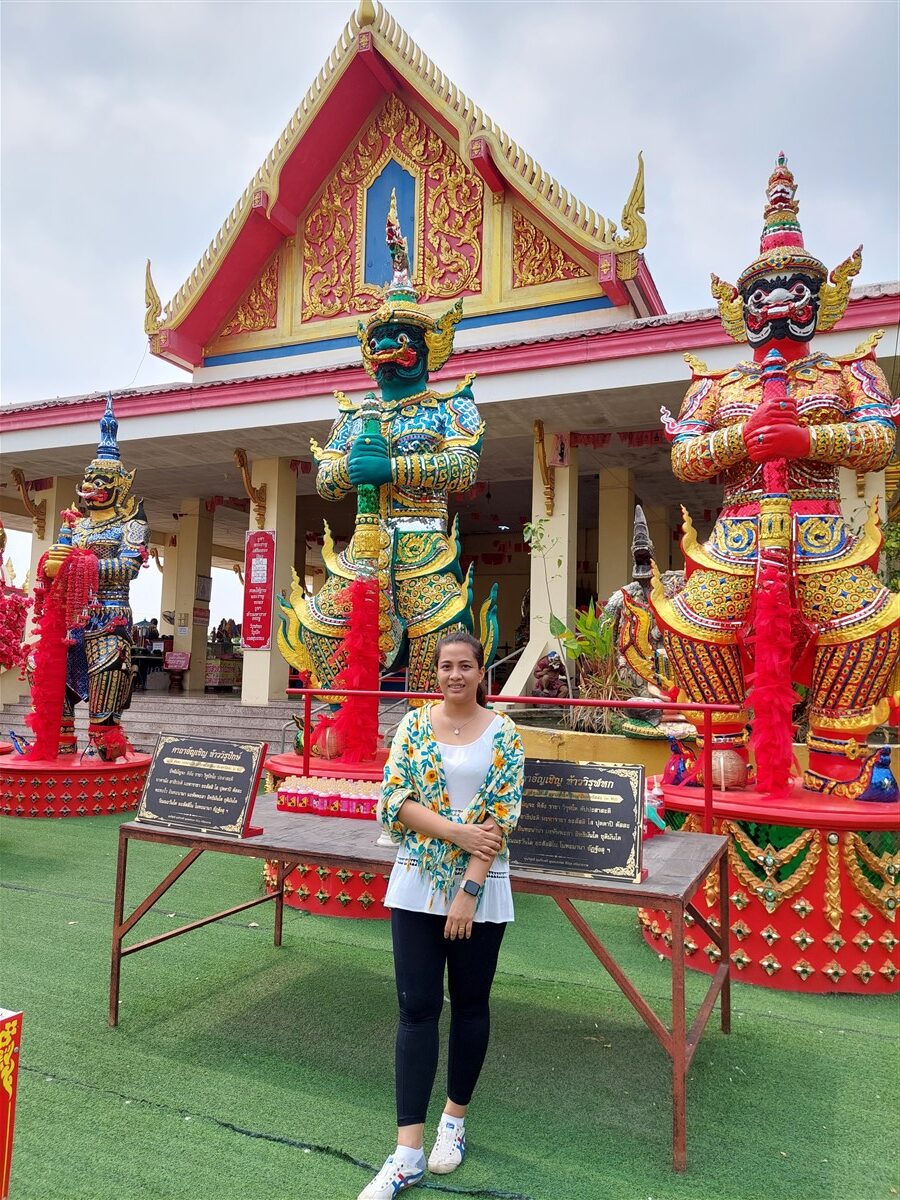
<point>814,884</point>
<point>331,891</point>
<point>71,786</point>
<point>334,891</point>
<point>10,1045</point>
<point>6,747</point>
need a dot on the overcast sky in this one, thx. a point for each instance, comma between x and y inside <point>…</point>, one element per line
<point>130,129</point>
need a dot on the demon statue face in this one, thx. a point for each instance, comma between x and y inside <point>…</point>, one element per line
<point>781,306</point>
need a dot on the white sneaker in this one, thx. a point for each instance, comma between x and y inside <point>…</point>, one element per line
<point>449,1149</point>
<point>391,1180</point>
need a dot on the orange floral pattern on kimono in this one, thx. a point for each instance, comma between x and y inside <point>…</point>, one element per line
<point>415,771</point>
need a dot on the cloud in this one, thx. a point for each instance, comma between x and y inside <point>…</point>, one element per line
<point>129,130</point>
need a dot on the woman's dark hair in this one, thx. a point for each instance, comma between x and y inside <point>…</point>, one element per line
<point>463,638</point>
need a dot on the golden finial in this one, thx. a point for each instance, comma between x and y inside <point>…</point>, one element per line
<point>731,308</point>
<point>632,216</point>
<point>365,14</point>
<point>835,292</point>
<point>689,533</point>
<point>152,304</point>
<point>697,365</point>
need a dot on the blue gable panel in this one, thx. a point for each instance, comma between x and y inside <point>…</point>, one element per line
<point>377,268</point>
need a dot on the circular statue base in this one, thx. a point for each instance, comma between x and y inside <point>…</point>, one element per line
<point>71,786</point>
<point>814,888</point>
<point>329,891</point>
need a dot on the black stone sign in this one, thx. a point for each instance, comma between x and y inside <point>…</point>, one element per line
<point>581,819</point>
<point>203,784</point>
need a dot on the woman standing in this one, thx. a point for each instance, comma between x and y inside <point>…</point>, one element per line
<point>451,796</point>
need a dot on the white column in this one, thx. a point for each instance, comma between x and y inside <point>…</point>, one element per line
<point>660,534</point>
<point>552,575</point>
<point>854,506</point>
<point>169,556</point>
<point>195,528</point>
<point>265,674</point>
<point>616,526</point>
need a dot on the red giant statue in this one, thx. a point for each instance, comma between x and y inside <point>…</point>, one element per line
<point>782,579</point>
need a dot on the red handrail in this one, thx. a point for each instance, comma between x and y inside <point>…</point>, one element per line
<point>560,702</point>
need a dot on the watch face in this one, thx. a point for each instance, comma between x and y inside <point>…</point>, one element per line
<point>471,887</point>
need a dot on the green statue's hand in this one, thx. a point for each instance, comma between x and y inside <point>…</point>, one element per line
<point>369,461</point>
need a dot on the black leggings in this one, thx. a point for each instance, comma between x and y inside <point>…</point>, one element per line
<point>420,954</point>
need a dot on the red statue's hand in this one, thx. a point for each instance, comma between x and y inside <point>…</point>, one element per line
<point>776,439</point>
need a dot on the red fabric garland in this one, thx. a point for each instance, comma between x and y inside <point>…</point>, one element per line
<point>356,723</point>
<point>61,604</point>
<point>771,694</point>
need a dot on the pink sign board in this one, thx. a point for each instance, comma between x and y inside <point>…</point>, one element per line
<point>177,660</point>
<point>259,589</point>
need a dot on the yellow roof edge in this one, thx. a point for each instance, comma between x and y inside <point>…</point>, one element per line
<point>581,222</point>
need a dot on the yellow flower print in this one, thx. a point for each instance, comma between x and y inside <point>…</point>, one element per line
<point>431,775</point>
<point>499,760</point>
<point>501,811</point>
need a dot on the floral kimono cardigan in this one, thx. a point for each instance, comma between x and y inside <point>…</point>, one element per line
<point>415,771</point>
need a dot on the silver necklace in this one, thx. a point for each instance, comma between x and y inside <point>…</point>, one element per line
<point>457,728</point>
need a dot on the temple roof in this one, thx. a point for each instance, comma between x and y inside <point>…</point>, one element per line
<point>375,58</point>
<point>869,304</point>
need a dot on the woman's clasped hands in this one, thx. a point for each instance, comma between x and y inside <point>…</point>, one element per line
<point>480,841</point>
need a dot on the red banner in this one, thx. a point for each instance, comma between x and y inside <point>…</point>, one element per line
<point>259,589</point>
<point>10,1043</point>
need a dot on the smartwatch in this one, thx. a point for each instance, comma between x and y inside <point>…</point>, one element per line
<point>471,888</point>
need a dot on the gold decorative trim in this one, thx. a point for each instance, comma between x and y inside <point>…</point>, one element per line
<point>546,474</point>
<point>887,868</point>
<point>259,308</point>
<point>401,52</point>
<point>239,571</point>
<point>152,304</point>
<point>771,891</point>
<point>731,307</point>
<point>37,512</point>
<point>863,350</point>
<point>331,557</point>
<point>697,365</point>
<point>867,545</point>
<point>536,259</point>
<point>7,1061</point>
<point>833,910</point>
<point>835,294</point>
<point>256,495</point>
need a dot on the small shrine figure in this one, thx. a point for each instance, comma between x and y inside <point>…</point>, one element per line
<point>638,640</point>
<point>776,428</point>
<point>115,531</point>
<point>420,446</point>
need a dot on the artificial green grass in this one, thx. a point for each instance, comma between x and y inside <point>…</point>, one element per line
<point>242,1072</point>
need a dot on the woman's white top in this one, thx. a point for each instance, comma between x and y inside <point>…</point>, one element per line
<point>465,769</point>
